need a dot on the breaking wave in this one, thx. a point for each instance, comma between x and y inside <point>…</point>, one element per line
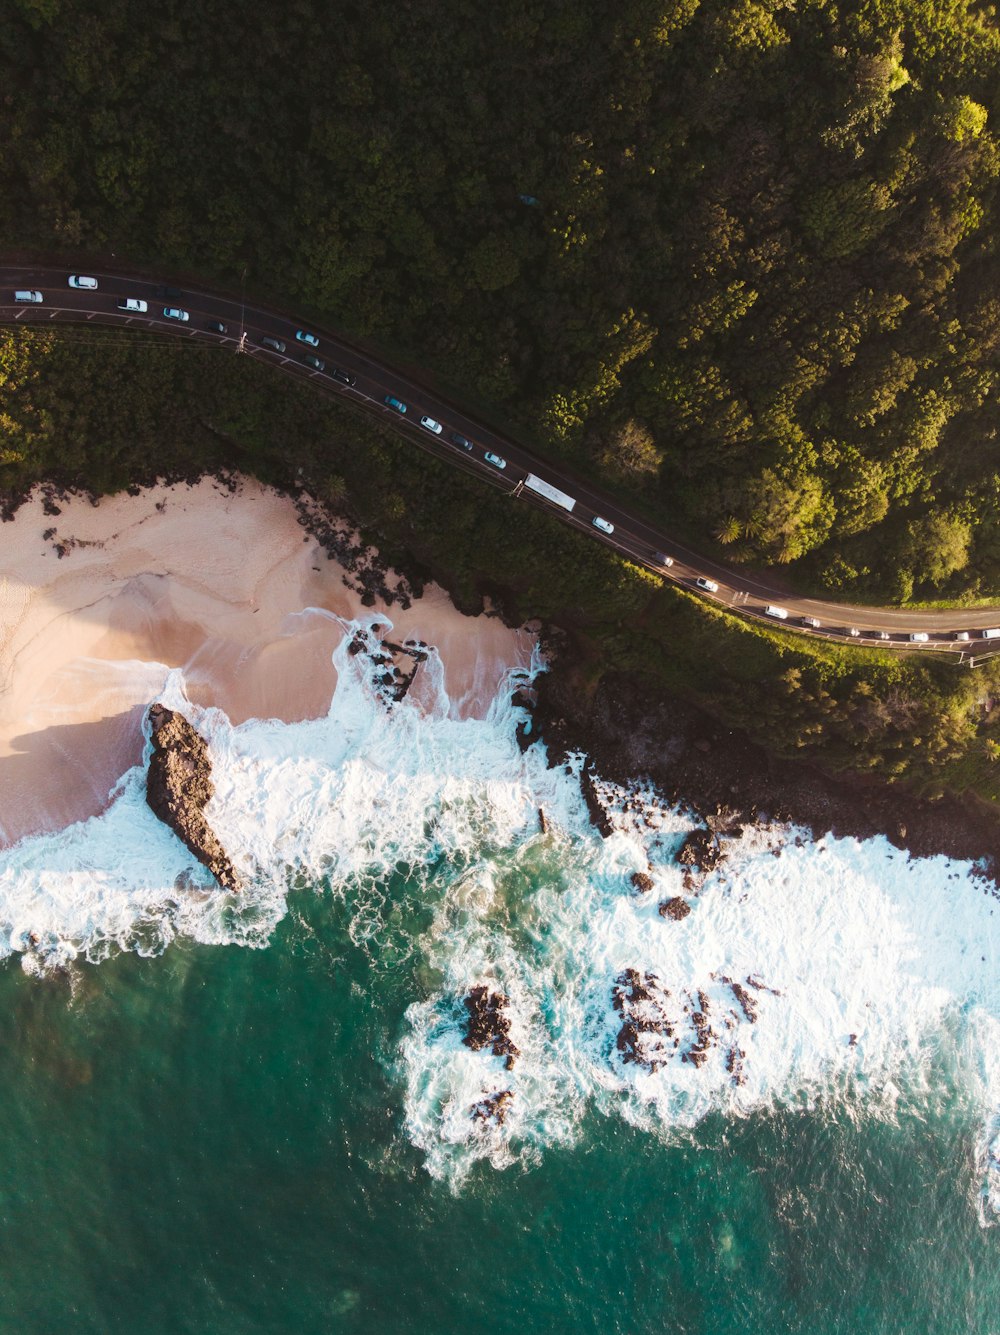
<point>633,985</point>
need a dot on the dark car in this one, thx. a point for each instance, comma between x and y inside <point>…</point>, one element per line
<point>168,293</point>
<point>275,344</point>
<point>463,442</point>
<point>217,327</point>
<point>344,377</point>
<point>312,360</point>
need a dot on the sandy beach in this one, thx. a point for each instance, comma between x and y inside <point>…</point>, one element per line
<point>99,602</point>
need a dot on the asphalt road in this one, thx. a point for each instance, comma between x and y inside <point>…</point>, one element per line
<point>372,380</point>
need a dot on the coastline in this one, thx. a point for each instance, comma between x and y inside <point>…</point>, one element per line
<point>630,734</point>
<point>240,586</point>
<point>101,600</point>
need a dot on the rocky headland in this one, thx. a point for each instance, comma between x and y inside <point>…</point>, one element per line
<point>629,734</point>
<point>179,786</point>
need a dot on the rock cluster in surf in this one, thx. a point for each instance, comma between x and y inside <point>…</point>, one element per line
<point>488,1024</point>
<point>657,1027</point>
<point>179,786</point>
<point>396,664</point>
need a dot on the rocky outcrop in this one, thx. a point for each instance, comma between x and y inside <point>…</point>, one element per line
<point>701,850</point>
<point>179,786</point>
<point>641,882</point>
<point>492,1108</point>
<point>488,1024</point>
<point>598,815</point>
<point>676,909</point>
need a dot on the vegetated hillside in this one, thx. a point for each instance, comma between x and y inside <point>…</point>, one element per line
<point>737,257</point>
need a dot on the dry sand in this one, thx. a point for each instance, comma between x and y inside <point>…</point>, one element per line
<point>194,577</point>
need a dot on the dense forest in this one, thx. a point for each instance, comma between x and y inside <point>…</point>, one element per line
<point>736,259</point>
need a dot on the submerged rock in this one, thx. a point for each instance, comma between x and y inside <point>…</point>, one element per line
<point>179,786</point>
<point>492,1108</point>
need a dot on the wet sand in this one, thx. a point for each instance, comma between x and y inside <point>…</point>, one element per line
<point>220,583</point>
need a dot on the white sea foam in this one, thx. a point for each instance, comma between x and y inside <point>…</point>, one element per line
<point>868,971</point>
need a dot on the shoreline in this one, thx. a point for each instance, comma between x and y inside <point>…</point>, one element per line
<point>222,578</point>
<point>697,762</point>
<point>240,585</point>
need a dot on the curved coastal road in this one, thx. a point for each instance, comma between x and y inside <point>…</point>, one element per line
<point>956,631</point>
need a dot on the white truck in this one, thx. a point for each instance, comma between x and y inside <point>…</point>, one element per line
<point>548,492</point>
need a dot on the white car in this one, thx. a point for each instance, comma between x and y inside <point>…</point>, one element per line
<point>175,313</point>
<point>78,280</point>
<point>778,612</point>
<point>918,637</point>
<point>854,633</point>
<point>429,424</point>
<point>811,622</point>
<point>494,459</point>
<point>709,585</point>
<point>602,524</point>
<point>305,337</point>
<point>133,304</point>
<point>960,635</point>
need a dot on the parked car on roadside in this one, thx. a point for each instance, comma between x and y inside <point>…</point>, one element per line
<point>134,305</point>
<point>429,424</point>
<point>709,585</point>
<point>494,459</point>
<point>393,402</point>
<point>175,313</point>
<point>275,344</point>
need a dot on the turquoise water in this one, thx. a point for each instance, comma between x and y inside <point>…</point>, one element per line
<point>253,1114</point>
<point>213,1140</point>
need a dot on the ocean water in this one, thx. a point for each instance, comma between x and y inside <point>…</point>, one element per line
<point>256,1113</point>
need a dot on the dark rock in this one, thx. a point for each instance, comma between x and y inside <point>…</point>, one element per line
<point>747,1003</point>
<point>488,1025</point>
<point>599,817</point>
<point>642,882</point>
<point>492,1108</point>
<point>701,849</point>
<point>543,824</point>
<point>179,786</point>
<point>675,908</point>
<point>734,1065</point>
